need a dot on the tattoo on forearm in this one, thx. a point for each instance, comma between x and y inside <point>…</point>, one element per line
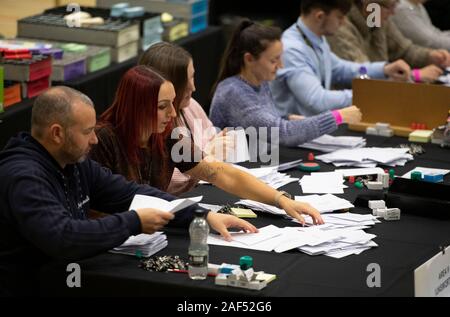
<point>210,173</point>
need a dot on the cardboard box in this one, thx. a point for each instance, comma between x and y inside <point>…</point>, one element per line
<point>400,104</point>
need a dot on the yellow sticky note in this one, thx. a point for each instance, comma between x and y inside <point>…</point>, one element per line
<point>243,213</point>
<point>422,136</point>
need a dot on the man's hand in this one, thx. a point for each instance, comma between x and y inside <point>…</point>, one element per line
<point>398,70</point>
<point>295,209</point>
<point>221,222</point>
<point>430,73</point>
<point>153,220</point>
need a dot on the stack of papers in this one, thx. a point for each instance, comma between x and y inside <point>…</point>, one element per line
<point>143,245</point>
<point>368,157</point>
<point>445,79</point>
<point>213,208</point>
<point>327,143</point>
<point>142,201</point>
<point>256,205</point>
<point>325,203</point>
<point>347,228</point>
<point>265,240</point>
<point>323,183</point>
<point>269,175</point>
<point>341,236</point>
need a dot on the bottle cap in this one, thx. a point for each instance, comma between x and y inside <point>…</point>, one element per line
<point>200,212</point>
<point>359,185</point>
<point>391,174</point>
<point>245,262</point>
<point>309,167</point>
<point>363,70</point>
<point>416,175</point>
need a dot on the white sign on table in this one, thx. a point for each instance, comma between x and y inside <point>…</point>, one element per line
<point>432,279</point>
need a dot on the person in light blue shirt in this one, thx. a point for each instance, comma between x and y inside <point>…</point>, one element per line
<point>311,69</point>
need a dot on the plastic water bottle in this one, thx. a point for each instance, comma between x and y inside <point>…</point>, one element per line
<point>198,247</point>
<point>363,73</point>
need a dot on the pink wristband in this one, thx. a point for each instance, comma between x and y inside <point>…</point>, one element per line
<point>416,73</point>
<point>337,117</point>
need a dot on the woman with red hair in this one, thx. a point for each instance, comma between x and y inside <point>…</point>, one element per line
<point>177,65</point>
<point>133,141</point>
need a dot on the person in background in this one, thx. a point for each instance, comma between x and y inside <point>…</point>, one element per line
<point>49,185</point>
<point>413,20</point>
<point>134,141</point>
<point>356,41</point>
<point>178,66</point>
<point>242,97</point>
<point>311,70</point>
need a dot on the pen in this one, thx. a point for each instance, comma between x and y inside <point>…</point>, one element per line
<point>186,271</point>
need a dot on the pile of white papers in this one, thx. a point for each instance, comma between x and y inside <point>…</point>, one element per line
<point>340,236</point>
<point>269,175</point>
<point>323,183</point>
<point>328,143</point>
<point>325,203</point>
<point>143,201</point>
<point>347,228</point>
<point>445,78</point>
<point>265,240</point>
<point>368,157</point>
<point>256,205</point>
<point>213,208</point>
<point>143,245</point>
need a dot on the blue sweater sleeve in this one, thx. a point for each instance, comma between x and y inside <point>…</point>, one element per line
<point>236,104</point>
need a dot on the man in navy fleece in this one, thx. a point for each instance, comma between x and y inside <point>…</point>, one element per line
<point>48,186</point>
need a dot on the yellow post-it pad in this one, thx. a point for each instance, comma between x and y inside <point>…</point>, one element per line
<point>423,136</point>
<point>243,213</point>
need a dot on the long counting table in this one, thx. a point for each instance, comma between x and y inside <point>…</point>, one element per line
<point>403,246</point>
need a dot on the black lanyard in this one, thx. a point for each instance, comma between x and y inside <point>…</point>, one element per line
<point>308,42</point>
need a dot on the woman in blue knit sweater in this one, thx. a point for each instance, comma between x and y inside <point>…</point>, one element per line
<point>242,97</point>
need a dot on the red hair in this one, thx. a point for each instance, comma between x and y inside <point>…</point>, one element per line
<point>135,110</point>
